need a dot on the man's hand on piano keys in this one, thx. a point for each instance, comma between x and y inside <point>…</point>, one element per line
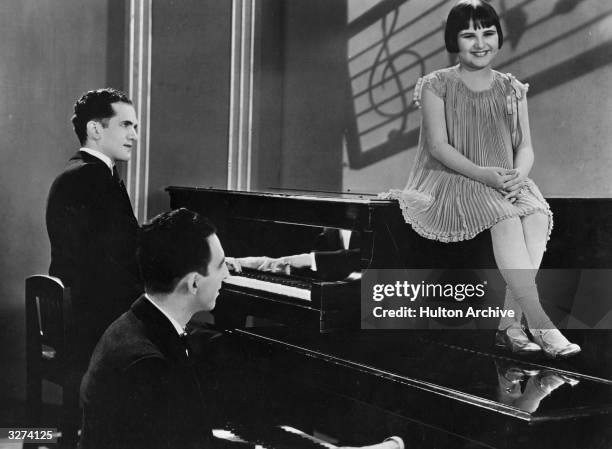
<point>235,265</point>
<point>268,264</point>
<point>285,264</point>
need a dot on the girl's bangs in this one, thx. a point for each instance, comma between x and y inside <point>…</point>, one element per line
<point>481,17</point>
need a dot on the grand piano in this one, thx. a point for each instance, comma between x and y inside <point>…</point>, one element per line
<point>310,367</point>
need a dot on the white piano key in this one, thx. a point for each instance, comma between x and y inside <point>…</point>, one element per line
<point>279,289</point>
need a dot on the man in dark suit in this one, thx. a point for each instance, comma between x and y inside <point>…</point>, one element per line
<point>142,387</point>
<point>90,221</point>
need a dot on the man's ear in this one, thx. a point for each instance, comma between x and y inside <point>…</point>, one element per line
<point>188,284</point>
<point>93,129</point>
<point>192,281</point>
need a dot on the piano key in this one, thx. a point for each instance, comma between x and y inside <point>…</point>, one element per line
<point>268,286</point>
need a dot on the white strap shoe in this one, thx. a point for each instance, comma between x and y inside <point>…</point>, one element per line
<point>554,343</point>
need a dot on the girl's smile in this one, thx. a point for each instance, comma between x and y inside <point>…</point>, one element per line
<point>477,46</point>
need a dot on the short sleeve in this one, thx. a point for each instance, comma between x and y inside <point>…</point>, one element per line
<point>520,89</point>
<point>434,82</point>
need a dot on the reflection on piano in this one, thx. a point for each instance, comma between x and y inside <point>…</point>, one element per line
<point>444,389</point>
<point>276,437</point>
<point>288,437</point>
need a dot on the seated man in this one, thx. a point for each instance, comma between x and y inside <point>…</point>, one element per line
<point>142,389</point>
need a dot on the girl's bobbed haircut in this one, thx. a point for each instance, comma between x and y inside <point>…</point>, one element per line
<point>480,12</point>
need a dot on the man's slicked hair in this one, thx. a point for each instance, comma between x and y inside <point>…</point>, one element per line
<point>95,105</point>
<point>172,245</point>
<point>480,12</point>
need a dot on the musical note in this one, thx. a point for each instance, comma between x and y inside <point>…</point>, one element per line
<point>387,66</point>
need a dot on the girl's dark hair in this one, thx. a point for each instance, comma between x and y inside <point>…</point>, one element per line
<point>480,12</point>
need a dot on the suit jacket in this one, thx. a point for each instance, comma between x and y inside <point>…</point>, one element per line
<point>93,234</point>
<point>141,389</point>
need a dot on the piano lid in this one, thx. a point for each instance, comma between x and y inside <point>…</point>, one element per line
<point>314,195</point>
<point>336,210</point>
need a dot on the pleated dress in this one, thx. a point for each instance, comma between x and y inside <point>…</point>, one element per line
<point>442,204</point>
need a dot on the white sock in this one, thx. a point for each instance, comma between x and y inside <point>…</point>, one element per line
<point>510,304</point>
<point>528,299</point>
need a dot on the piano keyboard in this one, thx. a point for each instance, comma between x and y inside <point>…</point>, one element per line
<point>271,283</point>
<point>280,437</point>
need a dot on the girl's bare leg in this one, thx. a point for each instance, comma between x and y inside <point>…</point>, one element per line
<point>515,264</point>
<point>535,231</point>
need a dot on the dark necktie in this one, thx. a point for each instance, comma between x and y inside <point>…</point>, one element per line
<point>116,174</point>
<point>117,178</point>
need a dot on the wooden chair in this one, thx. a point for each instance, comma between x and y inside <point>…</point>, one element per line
<point>49,354</point>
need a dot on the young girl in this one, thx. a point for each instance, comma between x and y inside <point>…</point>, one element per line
<point>471,168</point>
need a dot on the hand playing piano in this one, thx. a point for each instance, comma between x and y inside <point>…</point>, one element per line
<point>264,263</point>
<point>285,264</point>
<point>235,265</point>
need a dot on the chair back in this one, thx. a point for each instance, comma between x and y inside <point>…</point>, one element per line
<point>50,354</point>
<point>48,318</point>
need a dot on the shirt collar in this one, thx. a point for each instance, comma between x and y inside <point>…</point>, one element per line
<point>103,157</point>
<point>179,329</point>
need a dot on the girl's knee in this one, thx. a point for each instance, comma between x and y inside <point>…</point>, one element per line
<point>539,220</point>
<point>508,225</point>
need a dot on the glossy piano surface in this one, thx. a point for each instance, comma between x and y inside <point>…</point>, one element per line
<point>435,389</point>
<point>342,210</point>
<point>581,237</point>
